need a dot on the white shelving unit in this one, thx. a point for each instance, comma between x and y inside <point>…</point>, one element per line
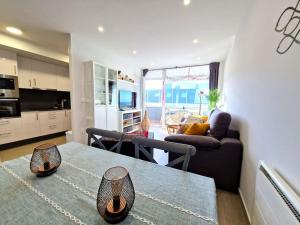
<point>100,96</point>
<point>127,82</point>
<point>130,120</point>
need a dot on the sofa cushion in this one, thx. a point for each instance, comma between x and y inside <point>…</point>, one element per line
<point>183,128</point>
<point>195,140</point>
<point>219,123</point>
<point>197,129</point>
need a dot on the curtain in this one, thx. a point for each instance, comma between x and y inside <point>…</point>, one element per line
<point>213,75</point>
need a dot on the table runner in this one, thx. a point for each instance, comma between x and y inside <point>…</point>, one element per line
<point>164,195</point>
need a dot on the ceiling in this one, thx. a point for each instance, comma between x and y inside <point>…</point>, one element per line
<point>161,31</point>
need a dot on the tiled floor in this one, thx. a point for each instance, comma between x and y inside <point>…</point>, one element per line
<point>230,208</point>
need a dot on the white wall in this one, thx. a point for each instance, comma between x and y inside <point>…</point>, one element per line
<point>262,90</point>
<point>81,50</point>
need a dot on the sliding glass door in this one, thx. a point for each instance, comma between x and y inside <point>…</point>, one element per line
<point>172,94</point>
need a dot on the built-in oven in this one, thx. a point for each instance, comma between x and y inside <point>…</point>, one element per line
<point>9,96</point>
<point>9,87</point>
<point>10,107</point>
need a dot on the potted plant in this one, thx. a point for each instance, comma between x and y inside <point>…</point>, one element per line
<point>213,98</point>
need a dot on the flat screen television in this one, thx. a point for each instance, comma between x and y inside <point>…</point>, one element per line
<point>127,99</point>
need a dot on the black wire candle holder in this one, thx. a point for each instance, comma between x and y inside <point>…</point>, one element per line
<point>116,195</point>
<point>45,160</point>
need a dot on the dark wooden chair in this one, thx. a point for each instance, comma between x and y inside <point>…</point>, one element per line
<point>99,135</point>
<point>185,151</point>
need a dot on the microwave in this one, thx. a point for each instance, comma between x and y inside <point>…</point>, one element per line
<point>9,87</point>
<point>9,96</point>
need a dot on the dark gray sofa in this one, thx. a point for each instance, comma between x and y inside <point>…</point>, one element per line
<point>219,153</point>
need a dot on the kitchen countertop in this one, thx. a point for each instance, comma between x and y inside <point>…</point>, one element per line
<point>40,110</point>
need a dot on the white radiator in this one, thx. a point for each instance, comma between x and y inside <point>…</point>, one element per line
<point>275,202</point>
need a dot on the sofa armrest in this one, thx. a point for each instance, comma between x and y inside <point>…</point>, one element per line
<point>230,141</point>
<point>233,134</point>
<point>195,140</point>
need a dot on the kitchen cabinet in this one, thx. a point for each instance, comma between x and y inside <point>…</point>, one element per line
<point>25,72</point>
<point>10,130</point>
<point>51,122</point>
<point>31,124</point>
<point>42,75</point>
<point>8,63</point>
<point>34,124</point>
<point>62,79</point>
<point>67,120</point>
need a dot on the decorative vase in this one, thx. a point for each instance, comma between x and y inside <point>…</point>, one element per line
<point>116,195</point>
<point>145,124</point>
<point>45,160</point>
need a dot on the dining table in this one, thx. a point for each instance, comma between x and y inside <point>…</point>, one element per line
<point>163,195</point>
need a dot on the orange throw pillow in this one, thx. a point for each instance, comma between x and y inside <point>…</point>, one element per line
<point>197,129</point>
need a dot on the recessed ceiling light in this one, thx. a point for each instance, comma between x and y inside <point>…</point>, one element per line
<point>14,30</point>
<point>134,52</point>
<point>152,64</point>
<point>100,29</point>
<point>195,41</point>
<point>198,58</point>
<point>186,2</point>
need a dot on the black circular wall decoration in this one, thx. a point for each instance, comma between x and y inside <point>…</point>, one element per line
<point>289,25</point>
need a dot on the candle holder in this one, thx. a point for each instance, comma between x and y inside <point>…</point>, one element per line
<point>45,160</point>
<point>116,195</point>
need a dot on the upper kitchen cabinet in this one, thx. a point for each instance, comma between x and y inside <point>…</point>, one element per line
<point>8,63</point>
<point>25,72</point>
<point>63,81</point>
<point>42,75</point>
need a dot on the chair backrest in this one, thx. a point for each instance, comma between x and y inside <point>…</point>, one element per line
<point>186,151</point>
<point>102,134</point>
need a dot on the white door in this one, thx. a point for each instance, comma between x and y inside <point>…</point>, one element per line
<point>112,118</point>
<point>30,125</point>
<point>25,72</point>
<point>8,63</point>
<point>63,80</point>
<point>100,117</point>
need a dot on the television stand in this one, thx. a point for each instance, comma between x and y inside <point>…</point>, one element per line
<point>130,120</point>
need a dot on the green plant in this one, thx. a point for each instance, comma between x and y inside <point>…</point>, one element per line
<point>213,98</point>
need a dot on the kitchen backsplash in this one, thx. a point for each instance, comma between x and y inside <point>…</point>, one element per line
<point>32,99</point>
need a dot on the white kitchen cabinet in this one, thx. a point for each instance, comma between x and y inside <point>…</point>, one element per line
<point>34,124</point>
<point>25,72</point>
<point>51,122</point>
<point>8,63</point>
<point>44,75</point>
<point>10,130</point>
<point>62,79</point>
<point>30,125</point>
<point>67,120</point>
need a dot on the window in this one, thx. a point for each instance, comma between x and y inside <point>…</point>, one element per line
<point>172,90</point>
